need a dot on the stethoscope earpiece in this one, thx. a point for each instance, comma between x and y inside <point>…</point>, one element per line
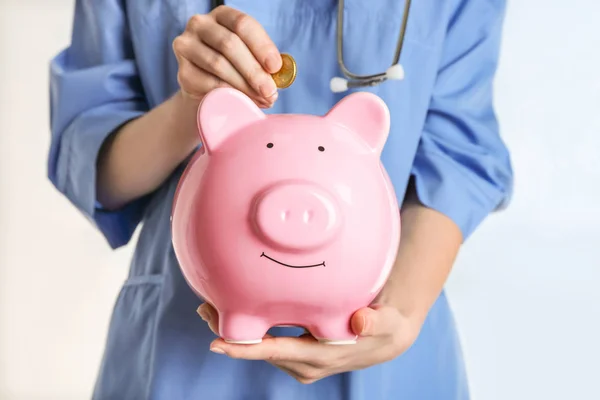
<point>395,72</point>
<point>339,84</point>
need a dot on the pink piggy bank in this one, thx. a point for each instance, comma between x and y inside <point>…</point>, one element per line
<point>287,220</point>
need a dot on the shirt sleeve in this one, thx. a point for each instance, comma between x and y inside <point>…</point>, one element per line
<point>462,168</point>
<point>94,89</point>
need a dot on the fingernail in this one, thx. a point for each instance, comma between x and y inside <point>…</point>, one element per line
<point>272,62</point>
<point>271,100</point>
<point>217,350</point>
<point>268,89</point>
<point>266,102</point>
<point>261,103</point>
<point>203,314</point>
<point>364,325</point>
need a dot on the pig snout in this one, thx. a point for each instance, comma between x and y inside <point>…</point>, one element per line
<point>296,216</point>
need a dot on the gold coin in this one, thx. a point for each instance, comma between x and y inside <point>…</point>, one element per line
<point>287,74</point>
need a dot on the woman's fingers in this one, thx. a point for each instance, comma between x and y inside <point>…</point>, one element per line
<point>196,81</point>
<point>230,51</point>
<point>253,35</point>
<point>210,316</point>
<point>303,373</point>
<point>303,349</point>
<point>227,48</point>
<point>209,60</point>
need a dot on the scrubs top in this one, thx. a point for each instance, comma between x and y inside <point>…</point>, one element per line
<point>444,134</point>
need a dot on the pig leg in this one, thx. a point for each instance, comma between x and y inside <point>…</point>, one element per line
<point>334,330</point>
<point>240,328</point>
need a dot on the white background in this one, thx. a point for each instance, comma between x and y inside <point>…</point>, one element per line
<point>525,289</point>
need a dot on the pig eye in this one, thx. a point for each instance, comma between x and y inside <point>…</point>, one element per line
<point>321,148</point>
<point>269,145</point>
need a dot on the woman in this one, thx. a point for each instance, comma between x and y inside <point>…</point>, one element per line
<point>124,97</point>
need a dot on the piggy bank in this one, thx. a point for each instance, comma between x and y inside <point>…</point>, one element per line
<point>287,219</point>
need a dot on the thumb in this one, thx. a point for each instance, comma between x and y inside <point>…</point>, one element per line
<point>373,321</point>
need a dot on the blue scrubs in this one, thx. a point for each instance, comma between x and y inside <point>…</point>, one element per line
<point>443,133</point>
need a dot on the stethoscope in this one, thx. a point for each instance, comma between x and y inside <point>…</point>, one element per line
<point>395,71</point>
<point>339,84</point>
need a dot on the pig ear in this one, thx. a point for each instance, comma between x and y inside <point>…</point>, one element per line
<point>366,114</point>
<point>222,113</point>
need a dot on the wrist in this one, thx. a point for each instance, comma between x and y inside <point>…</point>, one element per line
<point>183,111</point>
<point>408,306</point>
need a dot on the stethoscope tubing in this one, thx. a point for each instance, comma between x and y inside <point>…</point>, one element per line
<point>376,78</point>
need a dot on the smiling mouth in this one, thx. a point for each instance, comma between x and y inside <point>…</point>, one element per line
<point>293,266</point>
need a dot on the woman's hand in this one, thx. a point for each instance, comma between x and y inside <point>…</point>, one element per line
<point>387,328</point>
<point>384,333</point>
<point>227,48</point>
